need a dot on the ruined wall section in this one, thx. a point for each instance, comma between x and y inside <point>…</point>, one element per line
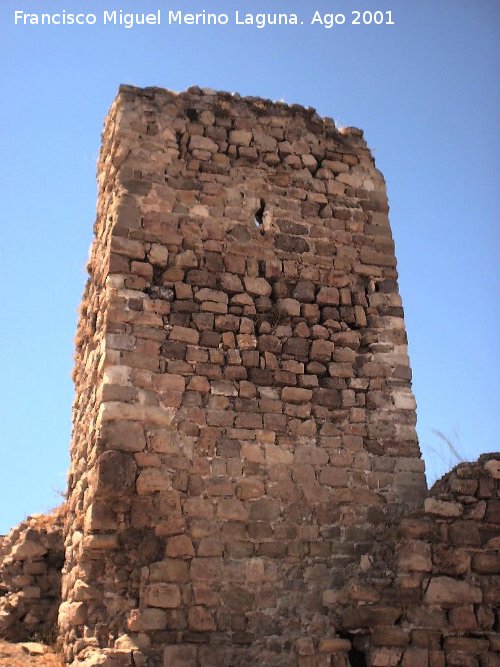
<point>31,559</point>
<point>244,419</point>
<point>429,593</point>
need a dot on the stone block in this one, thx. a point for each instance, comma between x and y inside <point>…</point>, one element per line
<point>390,637</point>
<point>385,657</point>
<point>334,645</point>
<point>180,656</point>
<point>240,137</point>
<point>463,619</point>
<point>296,395</point>
<point>200,619</point>
<point>158,254</point>
<point>162,595</point>
<point>415,657</point>
<point>305,646</point>
<point>464,533</point>
<point>202,143</point>
<point>210,546</point>
<point>250,489</point>
<point>486,563</point>
<point>452,561</point>
<point>146,620</point>
<point>27,550</point>
<point>467,645</point>
<point>123,436</point>
<point>328,296</point>
<point>206,569</point>
<point>446,591</point>
<point>492,467</point>
<point>333,476</point>
<point>151,480</point>
<point>179,546</point>
<point>290,307</point>
<point>414,556</point>
<point>257,286</point>
<point>232,510</point>
<point>169,570</point>
<point>265,509</point>
<point>185,335</point>
<point>321,350</point>
<point>114,475</point>
<point>101,542</point>
<point>442,508</point>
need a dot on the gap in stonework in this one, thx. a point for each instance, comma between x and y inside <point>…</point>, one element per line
<point>259,214</point>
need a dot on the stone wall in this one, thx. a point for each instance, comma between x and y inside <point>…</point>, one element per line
<point>31,559</point>
<point>429,593</point>
<point>244,422</point>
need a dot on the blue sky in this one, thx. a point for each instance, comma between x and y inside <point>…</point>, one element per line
<point>425,91</point>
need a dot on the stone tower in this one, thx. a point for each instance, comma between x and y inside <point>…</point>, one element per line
<point>244,422</point>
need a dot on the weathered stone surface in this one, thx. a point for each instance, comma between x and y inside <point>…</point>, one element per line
<point>414,556</point>
<point>486,563</point>
<point>433,565</point>
<point>493,468</point>
<point>258,286</point>
<point>124,436</point>
<point>164,596</point>
<point>445,591</point>
<point>33,648</point>
<point>115,475</point>
<point>28,550</point>
<point>442,508</point>
<point>179,656</point>
<point>147,620</point>
<point>328,296</point>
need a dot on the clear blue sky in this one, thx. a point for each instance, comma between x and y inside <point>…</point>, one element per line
<point>426,93</point>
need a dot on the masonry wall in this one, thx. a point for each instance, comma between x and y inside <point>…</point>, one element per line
<point>244,422</point>
<point>429,593</point>
<point>31,559</point>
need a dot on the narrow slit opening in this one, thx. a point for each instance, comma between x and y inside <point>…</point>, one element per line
<point>259,214</point>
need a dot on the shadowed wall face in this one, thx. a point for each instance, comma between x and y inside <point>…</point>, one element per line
<point>244,419</point>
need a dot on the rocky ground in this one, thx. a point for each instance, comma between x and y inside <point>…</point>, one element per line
<point>28,653</point>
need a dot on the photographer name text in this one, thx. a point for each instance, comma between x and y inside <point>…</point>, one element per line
<point>174,17</point>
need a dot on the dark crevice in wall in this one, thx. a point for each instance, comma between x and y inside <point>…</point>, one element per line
<point>357,653</point>
<point>259,214</point>
<point>356,658</point>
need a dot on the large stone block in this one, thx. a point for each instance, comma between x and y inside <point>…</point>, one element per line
<point>114,475</point>
<point>446,591</point>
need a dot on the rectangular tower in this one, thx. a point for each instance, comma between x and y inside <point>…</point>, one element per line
<point>243,419</point>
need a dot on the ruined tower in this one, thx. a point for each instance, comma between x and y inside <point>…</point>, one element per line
<point>244,422</point>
